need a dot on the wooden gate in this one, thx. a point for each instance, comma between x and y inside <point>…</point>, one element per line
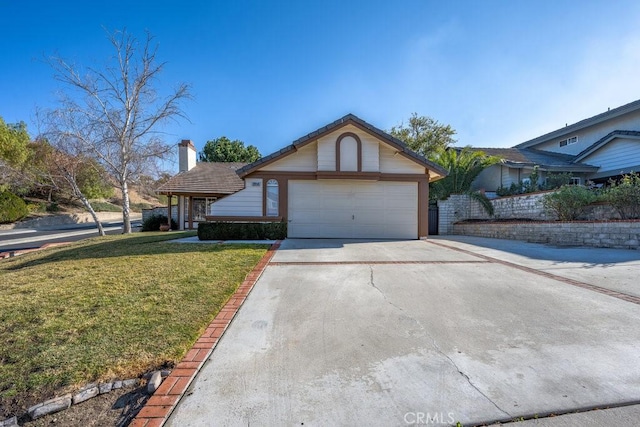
<point>433,220</point>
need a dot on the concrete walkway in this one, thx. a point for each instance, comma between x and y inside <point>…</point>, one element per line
<point>445,331</point>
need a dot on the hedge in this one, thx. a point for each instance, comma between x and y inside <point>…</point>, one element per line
<point>153,223</point>
<point>242,230</point>
<point>12,208</point>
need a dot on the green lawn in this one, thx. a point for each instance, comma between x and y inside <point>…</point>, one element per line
<point>111,307</point>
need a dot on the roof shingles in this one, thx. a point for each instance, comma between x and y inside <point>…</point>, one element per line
<point>205,178</point>
<point>530,157</point>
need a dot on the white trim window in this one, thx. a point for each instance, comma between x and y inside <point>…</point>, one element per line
<point>575,180</point>
<point>272,198</point>
<point>201,207</point>
<point>568,141</point>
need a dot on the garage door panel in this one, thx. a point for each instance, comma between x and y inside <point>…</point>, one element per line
<point>353,209</point>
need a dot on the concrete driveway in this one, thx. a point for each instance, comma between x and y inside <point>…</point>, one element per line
<point>410,332</point>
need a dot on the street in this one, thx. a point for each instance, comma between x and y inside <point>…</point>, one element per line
<point>21,239</point>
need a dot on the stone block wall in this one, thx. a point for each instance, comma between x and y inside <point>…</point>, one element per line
<point>612,234</point>
<point>456,208</point>
<point>522,206</point>
<point>461,207</point>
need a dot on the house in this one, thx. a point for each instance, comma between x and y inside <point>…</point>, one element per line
<point>348,179</point>
<point>596,149</point>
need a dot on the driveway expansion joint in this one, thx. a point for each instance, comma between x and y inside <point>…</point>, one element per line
<point>615,294</point>
<point>320,263</point>
<point>178,384</point>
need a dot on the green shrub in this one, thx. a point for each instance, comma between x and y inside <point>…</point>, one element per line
<point>624,196</point>
<point>53,207</point>
<point>513,190</point>
<point>105,207</point>
<point>153,223</point>
<point>568,202</point>
<point>12,208</point>
<point>242,230</point>
<point>37,207</point>
<point>557,180</point>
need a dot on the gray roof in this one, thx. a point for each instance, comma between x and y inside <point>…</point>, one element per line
<point>522,157</point>
<point>616,112</point>
<point>206,178</point>
<point>349,118</point>
<point>604,140</point>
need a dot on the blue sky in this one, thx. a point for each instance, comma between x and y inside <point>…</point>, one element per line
<point>268,72</point>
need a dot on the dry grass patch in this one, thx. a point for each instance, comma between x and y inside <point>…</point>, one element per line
<point>109,307</point>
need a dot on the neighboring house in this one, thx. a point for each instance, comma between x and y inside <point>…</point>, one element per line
<point>595,149</point>
<point>348,179</point>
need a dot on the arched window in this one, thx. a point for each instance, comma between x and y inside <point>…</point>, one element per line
<point>348,153</point>
<point>272,198</point>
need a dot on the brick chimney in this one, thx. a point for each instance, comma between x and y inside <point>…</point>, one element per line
<point>186,155</point>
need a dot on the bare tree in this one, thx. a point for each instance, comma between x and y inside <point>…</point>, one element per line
<point>115,113</point>
<point>60,162</point>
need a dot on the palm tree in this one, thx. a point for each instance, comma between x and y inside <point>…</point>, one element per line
<point>463,165</point>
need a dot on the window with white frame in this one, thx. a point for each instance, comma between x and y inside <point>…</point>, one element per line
<point>568,141</point>
<point>201,208</point>
<point>575,180</point>
<point>272,198</point>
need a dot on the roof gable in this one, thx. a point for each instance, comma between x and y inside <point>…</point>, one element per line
<point>342,122</point>
<point>605,140</point>
<point>599,118</point>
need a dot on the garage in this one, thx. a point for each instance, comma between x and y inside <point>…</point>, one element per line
<point>352,209</point>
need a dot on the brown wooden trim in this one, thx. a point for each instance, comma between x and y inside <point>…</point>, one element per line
<point>284,176</point>
<point>423,208</point>
<point>280,180</point>
<point>283,198</point>
<point>245,218</point>
<point>408,177</point>
<point>358,150</point>
<point>264,196</point>
<point>371,176</point>
<point>280,175</point>
<point>187,194</point>
<point>190,216</point>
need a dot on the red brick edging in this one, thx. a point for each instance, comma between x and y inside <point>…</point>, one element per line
<point>159,406</point>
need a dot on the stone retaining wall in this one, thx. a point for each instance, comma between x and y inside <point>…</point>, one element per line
<point>613,234</point>
<point>460,207</point>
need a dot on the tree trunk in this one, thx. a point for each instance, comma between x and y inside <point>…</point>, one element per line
<point>126,211</point>
<point>85,202</point>
<point>88,207</point>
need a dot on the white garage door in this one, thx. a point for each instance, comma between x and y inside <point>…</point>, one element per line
<point>353,209</point>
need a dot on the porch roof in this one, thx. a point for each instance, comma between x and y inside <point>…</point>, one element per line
<point>205,179</point>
